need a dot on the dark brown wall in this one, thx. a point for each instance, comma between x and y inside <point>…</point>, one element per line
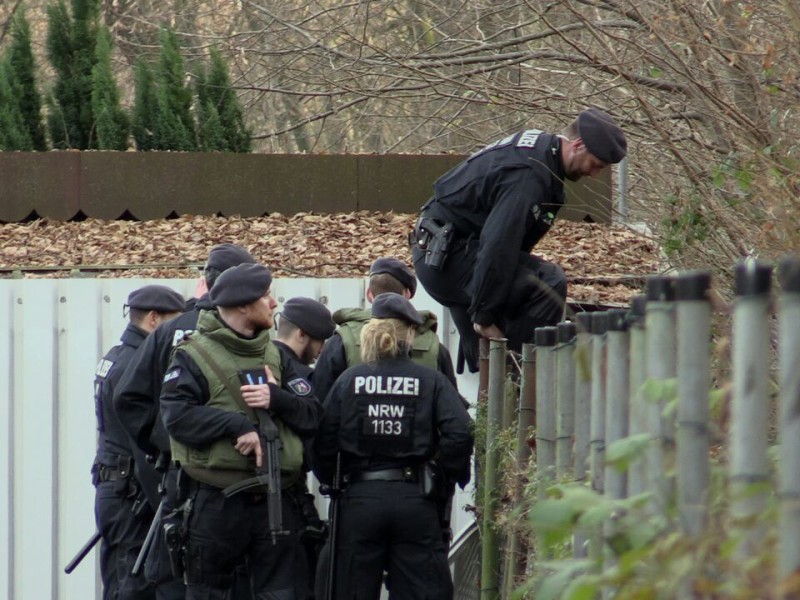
<point>151,185</point>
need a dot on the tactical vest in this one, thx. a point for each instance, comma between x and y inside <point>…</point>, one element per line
<point>220,464</point>
<point>352,320</point>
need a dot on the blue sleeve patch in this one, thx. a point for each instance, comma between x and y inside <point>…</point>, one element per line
<point>300,386</point>
<point>171,379</point>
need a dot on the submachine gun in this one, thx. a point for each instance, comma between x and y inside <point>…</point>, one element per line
<point>268,475</point>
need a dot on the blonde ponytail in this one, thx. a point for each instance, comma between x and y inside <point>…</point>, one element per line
<point>385,338</point>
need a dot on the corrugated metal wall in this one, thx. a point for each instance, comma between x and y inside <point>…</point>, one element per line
<point>53,334</point>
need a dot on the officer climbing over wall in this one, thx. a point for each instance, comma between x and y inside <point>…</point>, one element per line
<point>303,326</point>
<point>136,401</point>
<point>471,245</point>
<point>121,509</point>
<point>400,431</point>
<point>343,350</point>
<point>228,406</point>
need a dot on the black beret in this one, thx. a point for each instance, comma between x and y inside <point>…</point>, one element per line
<point>397,269</point>
<point>225,256</point>
<point>602,136</point>
<point>240,285</point>
<point>159,298</point>
<point>309,315</point>
<point>395,306</point>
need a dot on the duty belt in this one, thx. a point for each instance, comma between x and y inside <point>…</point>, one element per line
<point>409,474</point>
<point>121,471</point>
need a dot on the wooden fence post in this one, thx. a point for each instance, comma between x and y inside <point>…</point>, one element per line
<point>516,553</point>
<point>494,419</point>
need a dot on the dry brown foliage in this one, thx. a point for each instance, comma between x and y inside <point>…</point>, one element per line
<point>604,263</point>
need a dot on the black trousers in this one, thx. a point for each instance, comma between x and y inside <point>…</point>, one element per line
<point>386,526</point>
<point>223,531</point>
<point>157,568</point>
<point>122,536</point>
<point>536,299</point>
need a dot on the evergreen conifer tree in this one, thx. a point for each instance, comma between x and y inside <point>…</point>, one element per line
<point>220,117</point>
<point>174,125</point>
<point>70,45</point>
<point>12,135</point>
<point>20,75</point>
<point>145,108</point>
<point>112,125</point>
<point>210,135</point>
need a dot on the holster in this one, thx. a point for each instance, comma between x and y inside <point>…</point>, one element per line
<point>176,547</point>
<point>435,240</point>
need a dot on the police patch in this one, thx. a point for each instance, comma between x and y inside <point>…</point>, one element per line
<point>300,386</point>
<point>103,367</point>
<point>171,376</point>
<point>528,138</point>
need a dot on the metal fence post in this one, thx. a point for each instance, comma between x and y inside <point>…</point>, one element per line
<point>637,412</point>
<point>749,427</point>
<point>597,438</point>
<point>618,353</point>
<point>545,338</point>
<point>516,553</point>
<point>694,385</point>
<point>565,398</point>
<point>789,345</point>
<point>583,394</point>
<point>661,367</point>
<point>494,418</point>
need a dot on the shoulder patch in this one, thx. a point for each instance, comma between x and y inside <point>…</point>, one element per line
<point>103,367</point>
<point>172,374</point>
<point>528,138</point>
<point>300,386</point>
<point>180,335</point>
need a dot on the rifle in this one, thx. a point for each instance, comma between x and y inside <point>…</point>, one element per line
<point>269,474</point>
<point>78,558</point>
<point>334,491</point>
<point>148,541</point>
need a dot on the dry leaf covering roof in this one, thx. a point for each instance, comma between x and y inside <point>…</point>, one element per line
<point>604,263</point>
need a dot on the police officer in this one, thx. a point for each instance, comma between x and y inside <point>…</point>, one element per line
<point>303,326</point>
<point>212,419</point>
<point>136,401</point>
<point>387,418</point>
<point>488,212</point>
<point>121,511</point>
<point>343,350</point>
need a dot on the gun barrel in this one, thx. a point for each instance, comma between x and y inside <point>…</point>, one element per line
<point>78,558</point>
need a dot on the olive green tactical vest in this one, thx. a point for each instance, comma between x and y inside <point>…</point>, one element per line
<point>352,320</point>
<point>220,464</point>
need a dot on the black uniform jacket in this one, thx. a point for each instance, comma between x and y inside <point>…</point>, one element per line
<point>113,440</point>
<point>506,196</point>
<point>332,362</point>
<point>191,422</point>
<point>136,397</point>
<point>393,413</point>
